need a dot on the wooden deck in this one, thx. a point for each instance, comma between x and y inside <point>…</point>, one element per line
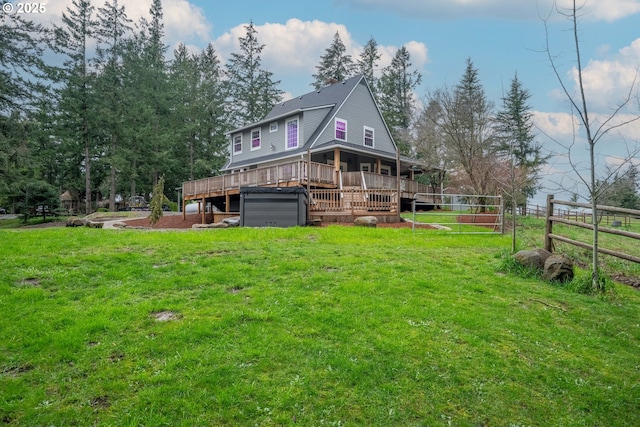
<point>331,193</point>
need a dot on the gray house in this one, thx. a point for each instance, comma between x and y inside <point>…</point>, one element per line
<point>333,141</point>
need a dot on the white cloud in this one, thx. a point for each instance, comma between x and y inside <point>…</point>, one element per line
<point>556,125</point>
<point>604,10</point>
<point>183,21</point>
<point>295,47</point>
<point>609,82</point>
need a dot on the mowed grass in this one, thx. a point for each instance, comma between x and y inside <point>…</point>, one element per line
<point>337,326</point>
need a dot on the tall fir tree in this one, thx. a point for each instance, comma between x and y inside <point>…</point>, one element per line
<point>515,137</point>
<point>215,123</point>
<point>368,63</point>
<point>76,87</point>
<point>335,64</point>
<point>251,89</point>
<point>113,30</point>
<point>154,134</point>
<point>21,65</point>
<point>396,96</point>
<point>21,95</point>
<point>187,110</point>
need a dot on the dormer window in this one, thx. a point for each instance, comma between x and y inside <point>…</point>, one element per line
<point>341,129</point>
<point>237,144</point>
<point>255,139</point>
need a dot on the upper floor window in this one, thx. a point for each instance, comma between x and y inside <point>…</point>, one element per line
<point>255,139</point>
<point>237,144</point>
<point>273,127</point>
<point>292,133</point>
<point>341,129</point>
<point>368,137</point>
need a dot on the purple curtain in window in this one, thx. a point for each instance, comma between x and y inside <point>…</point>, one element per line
<point>292,134</point>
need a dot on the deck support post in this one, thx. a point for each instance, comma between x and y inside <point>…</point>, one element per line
<point>398,184</point>
<point>203,211</point>
<point>227,202</point>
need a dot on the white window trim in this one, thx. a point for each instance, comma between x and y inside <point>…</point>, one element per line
<point>385,168</point>
<point>373,137</point>
<point>346,129</point>
<point>273,127</point>
<point>259,137</point>
<point>233,143</point>
<point>366,167</point>
<point>286,133</point>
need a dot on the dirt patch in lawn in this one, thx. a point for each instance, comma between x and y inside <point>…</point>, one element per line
<point>167,221</point>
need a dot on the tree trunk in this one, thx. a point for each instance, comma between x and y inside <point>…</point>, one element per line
<point>112,179</point>
<point>87,174</point>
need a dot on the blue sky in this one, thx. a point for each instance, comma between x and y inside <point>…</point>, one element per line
<point>500,36</point>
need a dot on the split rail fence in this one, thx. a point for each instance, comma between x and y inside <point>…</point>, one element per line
<point>626,215</point>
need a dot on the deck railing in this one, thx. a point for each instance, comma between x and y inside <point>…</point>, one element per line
<point>299,171</point>
<point>353,200</point>
<point>271,175</point>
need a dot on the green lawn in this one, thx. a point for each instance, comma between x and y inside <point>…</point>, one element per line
<point>337,326</point>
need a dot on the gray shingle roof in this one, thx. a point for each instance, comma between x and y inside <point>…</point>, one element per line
<point>334,94</point>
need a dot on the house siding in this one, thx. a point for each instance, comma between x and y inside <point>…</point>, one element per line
<point>350,101</point>
<point>268,139</point>
<point>306,120</point>
<point>360,111</point>
<point>313,119</point>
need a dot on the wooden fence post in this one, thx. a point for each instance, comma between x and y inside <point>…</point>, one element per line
<point>548,229</point>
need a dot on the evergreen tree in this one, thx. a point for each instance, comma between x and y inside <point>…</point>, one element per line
<point>158,200</point>
<point>514,124</point>
<point>15,156</point>
<point>136,113</point>
<point>76,86</point>
<point>113,28</point>
<point>252,90</point>
<point>215,123</point>
<point>368,62</point>
<point>335,65</point>
<point>153,133</point>
<point>35,197</point>
<point>21,63</point>
<point>187,111</point>
<point>396,96</point>
<point>21,70</point>
<point>623,190</point>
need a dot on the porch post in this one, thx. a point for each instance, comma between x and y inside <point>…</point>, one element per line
<point>203,211</point>
<point>227,201</point>
<point>308,184</point>
<point>398,184</point>
<point>336,159</point>
<point>378,166</point>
